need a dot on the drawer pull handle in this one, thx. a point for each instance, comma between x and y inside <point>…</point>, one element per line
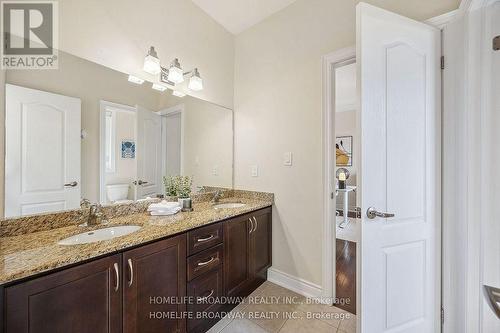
<point>202,299</point>
<point>256,223</point>
<point>251,225</point>
<point>131,270</point>
<point>205,239</point>
<point>206,262</point>
<point>117,276</point>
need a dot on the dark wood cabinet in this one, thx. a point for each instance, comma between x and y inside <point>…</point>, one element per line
<point>247,252</point>
<point>154,286</point>
<point>260,243</point>
<point>236,258</point>
<point>144,289</point>
<point>86,298</point>
<point>204,293</point>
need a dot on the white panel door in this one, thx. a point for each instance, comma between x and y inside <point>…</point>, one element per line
<point>399,74</point>
<point>149,163</point>
<point>42,152</point>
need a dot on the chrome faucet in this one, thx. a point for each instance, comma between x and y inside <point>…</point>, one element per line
<point>218,194</point>
<point>95,217</point>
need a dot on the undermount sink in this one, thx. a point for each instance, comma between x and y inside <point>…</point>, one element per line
<point>99,235</point>
<point>229,205</point>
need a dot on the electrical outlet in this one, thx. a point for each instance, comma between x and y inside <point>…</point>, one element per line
<point>287,158</point>
<point>254,170</point>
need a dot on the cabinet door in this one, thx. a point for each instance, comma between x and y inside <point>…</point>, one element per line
<point>261,241</point>
<point>85,298</point>
<point>236,258</point>
<point>154,285</point>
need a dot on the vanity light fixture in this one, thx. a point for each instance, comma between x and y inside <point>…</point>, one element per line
<point>175,73</point>
<point>135,79</point>
<point>178,93</point>
<point>152,62</point>
<point>159,87</point>
<point>195,81</point>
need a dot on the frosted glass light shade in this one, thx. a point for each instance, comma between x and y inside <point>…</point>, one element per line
<point>151,65</point>
<point>175,74</point>
<point>195,83</point>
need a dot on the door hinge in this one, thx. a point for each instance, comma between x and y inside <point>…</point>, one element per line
<point>442,316</point>
<point>496,43</point>
<point>442,62</point>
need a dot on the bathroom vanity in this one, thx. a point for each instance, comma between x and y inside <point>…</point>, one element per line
<point>170,276</point>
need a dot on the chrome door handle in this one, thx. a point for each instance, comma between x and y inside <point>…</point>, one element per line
<point>371,213</point>
<point>203,299</point>
<point>493,296</point>
<point>139,182</point>
<point>251,225</point>
<point>131,270</point>
<point>205,239</point>
<point>72,184</point>
<point>204,263</point>
<point>256,223</point>
<point>117,275</point>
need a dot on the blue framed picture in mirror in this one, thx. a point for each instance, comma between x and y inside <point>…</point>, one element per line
<point>128,149</point>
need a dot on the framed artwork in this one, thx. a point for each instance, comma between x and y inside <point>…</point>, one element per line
<point>128,149</point>
<point>343,150</point>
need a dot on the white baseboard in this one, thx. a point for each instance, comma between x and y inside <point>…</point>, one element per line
<point>298,285</point>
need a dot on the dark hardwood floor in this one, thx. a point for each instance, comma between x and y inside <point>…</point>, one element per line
<point>346,275</point>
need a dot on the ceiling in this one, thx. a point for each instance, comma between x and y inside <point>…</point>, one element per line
<point>238,15</point>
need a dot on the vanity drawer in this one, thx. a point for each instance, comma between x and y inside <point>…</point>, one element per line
<point>204,290</point>
<point>204,261</point>
<point>204,238</point>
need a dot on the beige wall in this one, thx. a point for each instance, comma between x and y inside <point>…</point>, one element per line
<point>208,141</point>
<point>278,109</point>
<point>91,83</point>
<point>118,34</point>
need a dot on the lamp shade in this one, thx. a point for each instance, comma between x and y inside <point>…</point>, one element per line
<point>195,81</point>
<point>175,73</point>
<point>151,62</point>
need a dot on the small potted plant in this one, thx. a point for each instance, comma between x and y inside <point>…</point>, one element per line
<point>179,188</point>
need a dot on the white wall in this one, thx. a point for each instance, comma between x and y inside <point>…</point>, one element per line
<point>125,168</point>
<point>118,34</point>
<point>278,109</point>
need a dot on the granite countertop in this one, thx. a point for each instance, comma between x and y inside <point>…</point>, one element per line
<point>28,254</point>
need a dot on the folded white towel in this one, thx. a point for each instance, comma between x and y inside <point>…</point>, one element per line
<point>165,212</point>
<point>164,205</point>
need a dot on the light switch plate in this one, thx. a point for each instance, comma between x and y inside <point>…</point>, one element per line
<point>287,158</point>
<point>215,171</point>
<point>254,171</point>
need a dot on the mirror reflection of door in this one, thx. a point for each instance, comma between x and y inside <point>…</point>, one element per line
<point>42,158</point>
<point>118,143</point>
<point>149,154</point>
